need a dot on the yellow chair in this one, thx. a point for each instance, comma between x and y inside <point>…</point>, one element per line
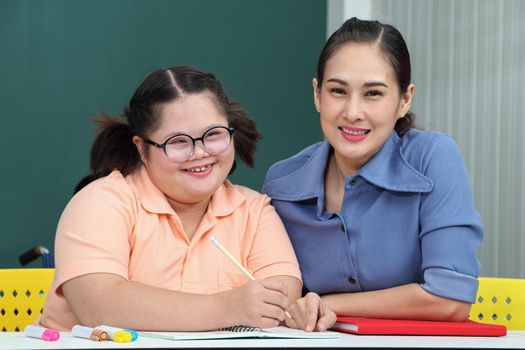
<point>22,296</point>
<point>500,301</point>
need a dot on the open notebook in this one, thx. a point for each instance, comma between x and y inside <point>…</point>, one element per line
<point>243,332</point>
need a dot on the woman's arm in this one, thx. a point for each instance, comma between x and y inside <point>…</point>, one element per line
<point>109,299</point>
<point>408,301</point>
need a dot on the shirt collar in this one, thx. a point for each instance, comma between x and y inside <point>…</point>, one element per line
<point>306,182</point>
<point>226,200</point>
<point>150,196</point>
<point>387,169</point>
<point>223,202</point>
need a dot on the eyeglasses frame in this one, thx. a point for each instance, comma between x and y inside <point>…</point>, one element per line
<point>193,141</point>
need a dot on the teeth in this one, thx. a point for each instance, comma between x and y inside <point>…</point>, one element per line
<point>198,169</point>
<point>354,132</point>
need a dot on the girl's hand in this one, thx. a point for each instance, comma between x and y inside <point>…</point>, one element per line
<point>260,303</point>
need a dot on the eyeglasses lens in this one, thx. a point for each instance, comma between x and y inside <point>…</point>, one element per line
<point>181,147</point>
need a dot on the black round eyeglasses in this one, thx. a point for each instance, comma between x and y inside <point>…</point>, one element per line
<point>180,147</point>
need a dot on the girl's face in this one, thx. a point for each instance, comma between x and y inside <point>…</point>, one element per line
<point>359,103</point>
<point>202,174</point>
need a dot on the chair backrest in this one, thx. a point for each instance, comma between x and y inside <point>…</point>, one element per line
<point>22,296</point>
<point>500,301</point>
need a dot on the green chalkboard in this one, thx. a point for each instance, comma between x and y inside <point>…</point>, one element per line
<point>62,61</point>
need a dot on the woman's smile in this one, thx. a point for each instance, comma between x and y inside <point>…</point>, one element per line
<point>354,134</point>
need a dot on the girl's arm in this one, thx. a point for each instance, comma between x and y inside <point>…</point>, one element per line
<point>293,287</point>
<point>103,298</point>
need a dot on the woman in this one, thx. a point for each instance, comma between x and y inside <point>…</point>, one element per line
<point>133,247</point>
<point>380,214</point>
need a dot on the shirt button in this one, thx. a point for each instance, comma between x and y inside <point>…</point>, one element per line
<point>353,182</point>
<point>351,279</point>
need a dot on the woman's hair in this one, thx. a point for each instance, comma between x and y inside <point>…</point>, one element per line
<point>113,148</point>
<point>388,40</point>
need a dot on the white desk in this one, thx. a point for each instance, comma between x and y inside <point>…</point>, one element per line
<point>514,340</point>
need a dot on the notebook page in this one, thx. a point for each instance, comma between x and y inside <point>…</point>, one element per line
<point>276,332</point>
<point>285,332</point>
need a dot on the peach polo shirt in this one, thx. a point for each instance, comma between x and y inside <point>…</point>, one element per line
<point>125,226</point>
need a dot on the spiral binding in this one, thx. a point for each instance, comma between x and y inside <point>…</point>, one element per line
<point>241,329</point>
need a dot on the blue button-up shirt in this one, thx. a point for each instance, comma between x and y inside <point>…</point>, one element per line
<point>407,217</point>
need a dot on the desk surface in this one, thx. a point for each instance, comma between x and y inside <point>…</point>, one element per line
<point>514,340</point>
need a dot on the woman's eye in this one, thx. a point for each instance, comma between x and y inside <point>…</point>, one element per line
<point>337,91</point>
<point>374,93</point>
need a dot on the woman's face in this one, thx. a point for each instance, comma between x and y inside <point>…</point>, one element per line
<point>200,176</point>
<point>359,103</point>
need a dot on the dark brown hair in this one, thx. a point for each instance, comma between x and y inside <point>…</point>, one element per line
<point>113,148</point>
<point>390,42</point>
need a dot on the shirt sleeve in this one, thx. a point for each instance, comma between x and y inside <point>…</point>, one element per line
<point>271,252</point>
<point>93,234</point>
<point>451,230</point>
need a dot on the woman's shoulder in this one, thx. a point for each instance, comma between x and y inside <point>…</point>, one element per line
<point>418,138</point>
<point>431,149</point>
<point>425,143</point>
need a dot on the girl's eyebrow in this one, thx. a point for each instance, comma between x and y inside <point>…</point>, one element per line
<point>176,132</point>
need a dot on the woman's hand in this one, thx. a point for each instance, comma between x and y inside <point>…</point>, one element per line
<point>259,303</point>
<point>311,314</point>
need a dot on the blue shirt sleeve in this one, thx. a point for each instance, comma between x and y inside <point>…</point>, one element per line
<point>451,229</point>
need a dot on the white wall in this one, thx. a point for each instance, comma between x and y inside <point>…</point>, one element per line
<point>468,60</point>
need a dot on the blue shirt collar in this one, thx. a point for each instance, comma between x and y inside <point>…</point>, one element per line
<point>387,169</point>
<point>306,182</point>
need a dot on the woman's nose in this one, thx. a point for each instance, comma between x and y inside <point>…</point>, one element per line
<point>353,109</point>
